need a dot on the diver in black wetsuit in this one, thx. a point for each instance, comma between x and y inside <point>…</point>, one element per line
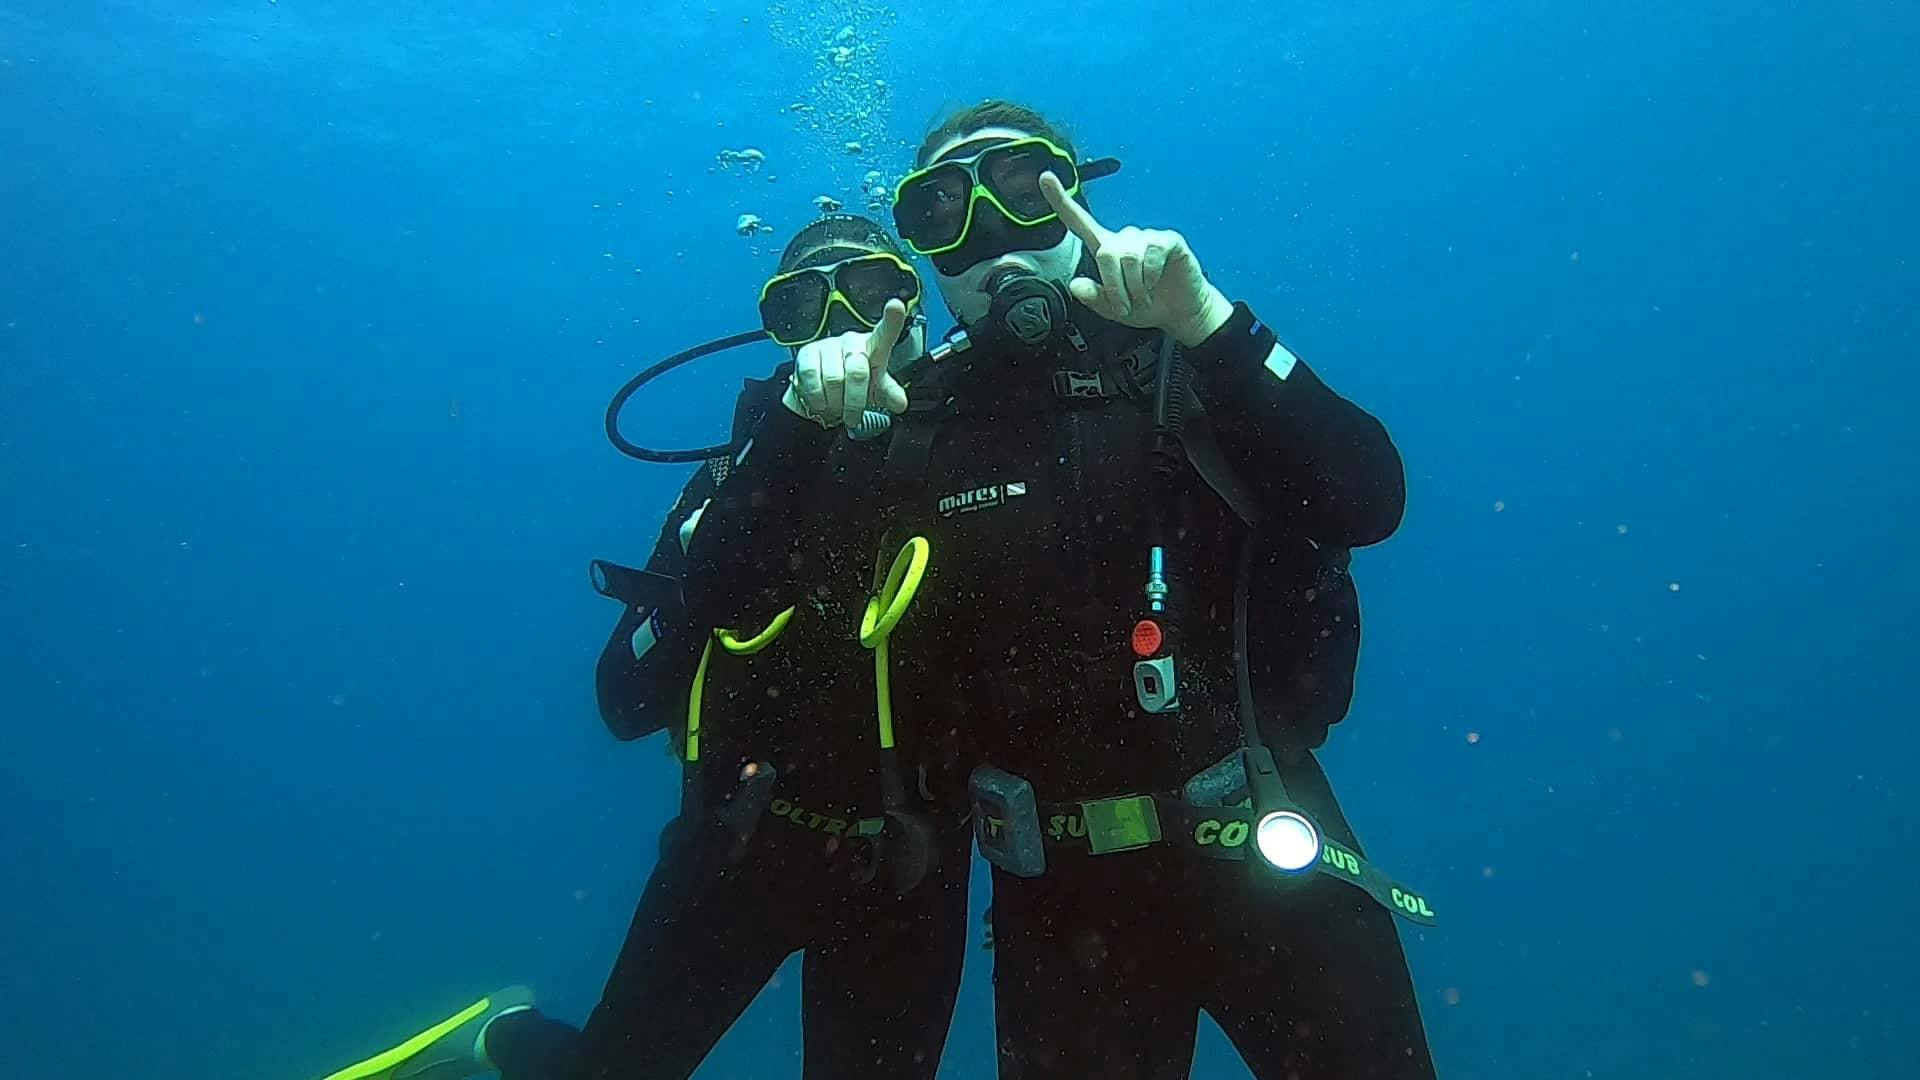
<point>798,831</point>
<point>1125,479</point>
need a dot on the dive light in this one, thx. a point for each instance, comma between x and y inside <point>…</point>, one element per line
<point>1286,838</point>
<point>1288,841</point>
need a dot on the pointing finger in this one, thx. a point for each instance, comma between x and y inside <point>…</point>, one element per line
<point>1077,220</point>
<point>893,321</point>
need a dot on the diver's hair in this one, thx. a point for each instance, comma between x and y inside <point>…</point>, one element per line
<point>833,238</point>
<point>994,112</point>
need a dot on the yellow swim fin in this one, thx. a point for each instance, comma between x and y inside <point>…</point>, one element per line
<point>449,1050</point>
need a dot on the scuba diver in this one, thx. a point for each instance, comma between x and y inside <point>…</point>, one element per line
<point>1125,478</point>
<point>804,825</point>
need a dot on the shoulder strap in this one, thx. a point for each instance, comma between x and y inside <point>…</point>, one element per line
<point>1203,451</point>
<point>903,472</point>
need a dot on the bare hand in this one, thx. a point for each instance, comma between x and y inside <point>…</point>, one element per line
<point>837,379</point>
<point>1149,278</point>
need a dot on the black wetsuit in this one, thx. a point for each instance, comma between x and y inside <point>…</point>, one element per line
<point>743,883</point>
<point>1041,514</point>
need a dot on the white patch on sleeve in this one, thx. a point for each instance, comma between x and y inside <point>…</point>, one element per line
<point>687,526</point>
<point>645,637</point>
<point>1280,361</point>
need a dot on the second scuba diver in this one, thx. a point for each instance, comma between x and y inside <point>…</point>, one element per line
<point>1124,478</point>
<point>805,824</point>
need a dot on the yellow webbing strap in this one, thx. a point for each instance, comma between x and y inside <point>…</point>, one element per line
<point>883,613</point>
<point>733,644</point>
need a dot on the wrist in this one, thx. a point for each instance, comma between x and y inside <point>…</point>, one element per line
<point>1214,311</point>
<point>1232,354</point>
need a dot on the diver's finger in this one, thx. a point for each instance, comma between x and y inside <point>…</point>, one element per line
<point>859,375</point>
<point>1133,276</point>
<point>889,394</point>
<point>806,379</point>
<point>833,379</point>
<point>1113,286</point>
<point>1087,291</point>
<point>1075,216</point>
<point>893,322</point>
<point>1153,266</point>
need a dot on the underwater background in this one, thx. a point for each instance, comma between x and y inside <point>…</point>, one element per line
<point>309,312</point>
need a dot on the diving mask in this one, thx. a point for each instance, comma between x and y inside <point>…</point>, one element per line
<point>936,208</point>
<point>795,307</point>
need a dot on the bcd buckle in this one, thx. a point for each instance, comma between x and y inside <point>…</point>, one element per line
<point>1078,386</point>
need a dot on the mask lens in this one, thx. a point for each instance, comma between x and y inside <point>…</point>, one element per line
<point>793,306</point>
<point>869,282</point>
<point>932,208</point>
<point>1013,174</point>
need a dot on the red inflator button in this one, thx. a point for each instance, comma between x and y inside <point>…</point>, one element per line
<point>1147,638</point>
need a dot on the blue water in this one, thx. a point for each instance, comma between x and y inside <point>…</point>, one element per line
<point>308,312</point>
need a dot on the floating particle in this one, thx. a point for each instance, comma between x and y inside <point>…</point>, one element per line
<point>1701,978</point>
<point>854,147</point>
<point>1486,871</point>
<point>1575,257</point>
<point>1452,996</point>
<point>1614,734</point>
<point>1621,529</point>
<point>1473,736</point>
<point>1673,586</point>
<point>1499,505</point>
<point>579,895</point>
